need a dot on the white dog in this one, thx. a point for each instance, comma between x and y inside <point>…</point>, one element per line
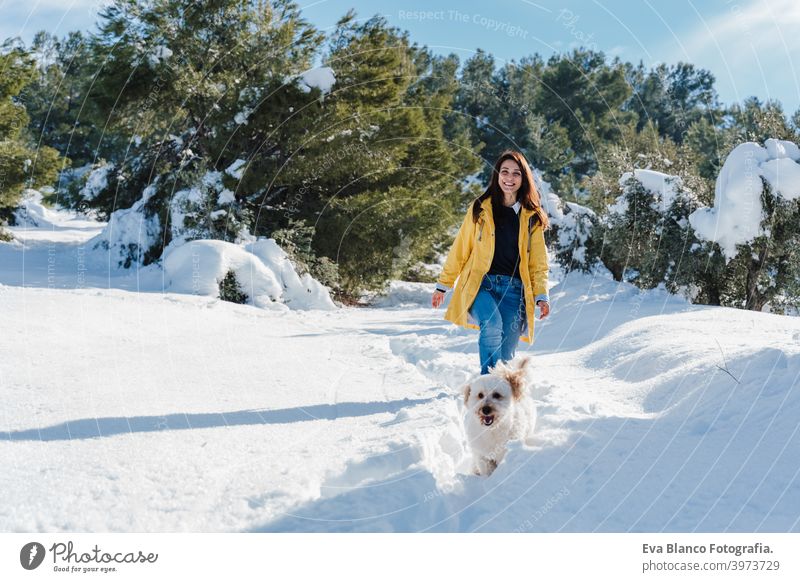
<point>498,409</point>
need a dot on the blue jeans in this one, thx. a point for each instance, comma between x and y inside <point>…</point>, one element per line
<point>499,309</point>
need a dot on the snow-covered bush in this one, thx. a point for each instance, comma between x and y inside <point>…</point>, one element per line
<point>646,235</point>
<point>262,272</point>
<point>755,221</point>
<point>131,233</point>
<point>572,229</point>
<point>208,208</point>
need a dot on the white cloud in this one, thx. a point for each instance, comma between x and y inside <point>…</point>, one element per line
<point>765,24</point>
<point>752,47</point>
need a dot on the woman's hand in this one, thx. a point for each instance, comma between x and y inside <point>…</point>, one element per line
<point>544,308</point>
<point>437,299</point>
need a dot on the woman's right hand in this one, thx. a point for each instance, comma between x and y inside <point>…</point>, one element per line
<point>437,299</point>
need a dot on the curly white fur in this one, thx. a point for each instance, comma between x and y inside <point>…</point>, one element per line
<point>498,409</point>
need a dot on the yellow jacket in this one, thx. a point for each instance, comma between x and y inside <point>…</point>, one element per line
<point>471,256</point>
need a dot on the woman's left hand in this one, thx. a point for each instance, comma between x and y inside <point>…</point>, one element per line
<point>544,308</point>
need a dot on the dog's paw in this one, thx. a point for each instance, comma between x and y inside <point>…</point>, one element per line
<point>485,467</point>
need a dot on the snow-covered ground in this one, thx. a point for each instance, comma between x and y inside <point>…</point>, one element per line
<point>126,408</point>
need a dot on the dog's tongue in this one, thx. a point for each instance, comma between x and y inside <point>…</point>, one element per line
<point>488,420</point>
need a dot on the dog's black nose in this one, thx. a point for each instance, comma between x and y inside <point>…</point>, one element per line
<point>486,410</point>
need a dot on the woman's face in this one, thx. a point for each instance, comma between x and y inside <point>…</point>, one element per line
<point>510,177</point>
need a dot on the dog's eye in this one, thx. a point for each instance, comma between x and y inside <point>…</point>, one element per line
<point>497,395</point>
<point>480,395</point>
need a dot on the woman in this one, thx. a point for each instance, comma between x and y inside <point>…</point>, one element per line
<point>500,261</point>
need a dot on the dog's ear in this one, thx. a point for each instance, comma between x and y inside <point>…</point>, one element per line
<point>517,379</point>
<point>466,393</point>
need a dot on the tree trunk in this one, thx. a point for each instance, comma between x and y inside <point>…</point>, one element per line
<point>755,300</point>
<point>713,294</point>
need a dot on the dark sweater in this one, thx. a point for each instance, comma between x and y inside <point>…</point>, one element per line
<point>506,241</point>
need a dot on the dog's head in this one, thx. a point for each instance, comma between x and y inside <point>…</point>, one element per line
<point>492,395</point>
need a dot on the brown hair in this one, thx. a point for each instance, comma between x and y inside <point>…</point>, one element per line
<point>527,195</point>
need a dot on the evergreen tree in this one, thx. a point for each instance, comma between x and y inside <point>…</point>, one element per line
<point>706,147</point>
<point>646,149</point>
<point>61,115</point>
<point>22,163</point>
<point>501,105</point>
<point>761,263</point>
<point>647,238</point>
<point>672,97</point>
<point>385,205</point>
<point>758,122</point>
<point>231,133</point>
<point>200,95</point>
<point>709,140</point>
<point>585,95</point>
<point>767,269</point>
<point>230,290</point>
<point>576,235</point>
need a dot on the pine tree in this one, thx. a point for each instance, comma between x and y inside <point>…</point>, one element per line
<point>767,269</point>
<point>200,94</point>
<point>501,107</point>
<point>384,205</point>
<point>22,163</point>
<point>752,248</point>
<point>647,237</point>
<point>232,133</point>
<point>585,95</point>
<point>672,98</point>
<point>230,290</point>
<point>757,121</point>
<point>575,235</point>
<point>61,115</point>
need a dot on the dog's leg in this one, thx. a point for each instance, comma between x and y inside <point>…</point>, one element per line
<point>480,466</point>
<point>484,466</point>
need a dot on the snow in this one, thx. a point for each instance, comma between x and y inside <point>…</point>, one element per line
<point>31,213</point>
<point>241,117</point>
<point>263,272</point>
<point>322,78</point>
<point>61,249</point>
<point>226,197</point>
<point>96,182</point>
<point>405,293</point>
<point>130,408</point>
<point>665,186</point>
<point>213,180</point>
<point>236,169</point>
<point>572,222</point>
<point>620,205</point>
<point>129,228</point>
<point>783,176</point>
<point>299,292</point>
<point>777,148</point>
<point>182,204</point>
<point>737,213</point>
<point>158,54</point>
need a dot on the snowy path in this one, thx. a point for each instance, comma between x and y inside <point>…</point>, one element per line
<point>128,410</point>
<point>639,429</point>
<point>184,413</point>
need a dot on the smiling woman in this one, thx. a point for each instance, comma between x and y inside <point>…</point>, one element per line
<point>498,263</point>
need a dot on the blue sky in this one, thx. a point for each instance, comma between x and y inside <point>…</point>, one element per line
<point>747,44</point>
